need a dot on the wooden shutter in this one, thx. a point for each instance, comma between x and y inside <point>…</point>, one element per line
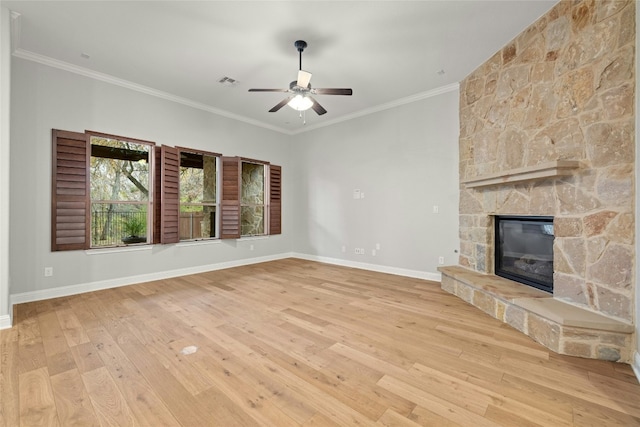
<point>157,194</point>
<point>275,200</point>
<point>230,200</point>
<point>70,191</point>
<point>170,195</point>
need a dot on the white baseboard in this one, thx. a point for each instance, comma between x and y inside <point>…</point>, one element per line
<point>436,277</point>
<point>635,364</point>
<point>65,291</point>
<point>5,322</point>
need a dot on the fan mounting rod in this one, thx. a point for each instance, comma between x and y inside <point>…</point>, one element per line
<point>300,45</point>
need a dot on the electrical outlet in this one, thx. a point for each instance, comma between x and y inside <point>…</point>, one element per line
<point>436,209</point>
<point>441,260</point>
<point>48,271</point>
<point>357,251</point>
<point>377,246</point>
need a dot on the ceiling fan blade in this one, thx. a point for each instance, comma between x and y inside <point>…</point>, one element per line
<point>332,91</point>
<point>280,104</point>
<point>304,77</point>
<point>268,90</point>
<point>319,109</point>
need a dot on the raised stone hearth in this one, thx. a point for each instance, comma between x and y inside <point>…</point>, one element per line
<point>547,128</point>
<point>559,326</point>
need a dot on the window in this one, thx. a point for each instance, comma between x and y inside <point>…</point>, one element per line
<point>109,191</point>
<point>198,195</point>
<point>100,190</point>
<point>119,191</point>
<point>252,199</point>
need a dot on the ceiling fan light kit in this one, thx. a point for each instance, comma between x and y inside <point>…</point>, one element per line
<point>300,103</point>
<point>300,89</point>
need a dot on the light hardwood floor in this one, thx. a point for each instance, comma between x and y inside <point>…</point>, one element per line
<point>290,343</point>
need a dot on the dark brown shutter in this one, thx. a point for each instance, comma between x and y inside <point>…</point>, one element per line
<point>230,200</point>
<point>70,191</point>
<point>170,196</point>
<point>157,195</point>
<point>275,200</point>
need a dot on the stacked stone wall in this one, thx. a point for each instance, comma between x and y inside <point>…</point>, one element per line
<point>563,89</point>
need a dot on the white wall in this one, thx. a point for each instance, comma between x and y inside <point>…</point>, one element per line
<point>405,160</point>
<point>5,90</point>
<point>43,98</point>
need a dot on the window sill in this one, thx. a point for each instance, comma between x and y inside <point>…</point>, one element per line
<point>198,242</point>
<point>148,247</point>
<point>248,238</point>
<point>118,249</point>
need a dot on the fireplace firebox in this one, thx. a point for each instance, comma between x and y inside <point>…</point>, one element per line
<point>524,250</point>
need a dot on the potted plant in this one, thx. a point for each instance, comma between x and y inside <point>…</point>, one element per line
<point>134,228</point>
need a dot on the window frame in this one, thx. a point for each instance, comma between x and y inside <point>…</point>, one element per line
<point>150,190</point>
<point>216,205</point>
<point>265,196</point>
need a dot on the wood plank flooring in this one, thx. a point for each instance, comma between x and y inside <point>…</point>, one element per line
<point>293,343</point>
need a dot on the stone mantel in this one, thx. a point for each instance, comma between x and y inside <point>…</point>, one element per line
<point>541,171</point>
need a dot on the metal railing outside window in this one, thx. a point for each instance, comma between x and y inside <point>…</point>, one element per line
<point>108,227</point>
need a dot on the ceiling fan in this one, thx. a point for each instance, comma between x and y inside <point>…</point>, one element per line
<point>300,90</point>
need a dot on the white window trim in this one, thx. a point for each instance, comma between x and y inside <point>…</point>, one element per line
<point>118,249</point>
<point>199,242</point>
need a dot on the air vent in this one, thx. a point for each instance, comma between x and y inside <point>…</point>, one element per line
<point>227,81</point>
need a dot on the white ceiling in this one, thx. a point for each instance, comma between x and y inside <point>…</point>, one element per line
<point>389,52</point>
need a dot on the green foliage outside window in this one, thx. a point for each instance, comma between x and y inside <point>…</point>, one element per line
<point>119,190</point>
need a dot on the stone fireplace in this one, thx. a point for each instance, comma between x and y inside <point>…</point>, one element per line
<point>547,129</point>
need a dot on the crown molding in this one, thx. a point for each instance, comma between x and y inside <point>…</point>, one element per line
<point>16,30</point>
<point>389,105</point>
<point>86,72</point>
